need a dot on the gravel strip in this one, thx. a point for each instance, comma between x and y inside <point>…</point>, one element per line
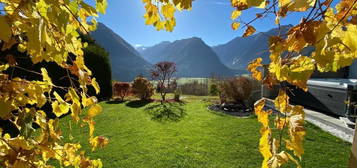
<point>338,132</point>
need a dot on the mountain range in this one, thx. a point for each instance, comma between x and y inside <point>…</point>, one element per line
<point>192,56</point>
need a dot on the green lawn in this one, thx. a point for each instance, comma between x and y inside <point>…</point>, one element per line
<point>188,135</point>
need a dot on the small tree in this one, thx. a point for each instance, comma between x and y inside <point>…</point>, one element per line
<point>163,72</point>
<point>213,89</point>
<point>121,89</point>
<point>142,88</point>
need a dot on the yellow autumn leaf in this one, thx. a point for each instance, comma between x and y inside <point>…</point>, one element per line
<point>88,101</point>
<point>60,109</point>
<point>59,106</point>
<point>170,24</point>
<point>296,131</point>
<point>94,110</point>
<point>278,160</point>
<point>5,33</point>
<point>280,122</point>
<point>297,5</point>
<point>263,116</point>
<point>58,97</point>
<point>96,86</point>
<point>265,131</point>
<point>91,124</point>
<point>47,31</point>
<point>264,146</point>
<point>183,4</point>
<point>4,67</point>
<point>45,76</point>
<point>297,72</point>
<point>276,47</point>
<point>97,163</point>
<point>168,10</point>
<point>249,31</point>
<point>252,67</point>
<point>75,111</point>
<point>101,5</point>
<point>300,71</point>
<point>98,141</point>
<point>235,14</point>
<point>284,2</point>
<point>296,144</point>
<point>281,102</point>
<point>245,4</point>
<point>349,38</point>
<point>259,105</point>
<point>235,25</point>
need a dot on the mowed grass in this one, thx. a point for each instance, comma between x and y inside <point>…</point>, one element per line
<point>188,135</point>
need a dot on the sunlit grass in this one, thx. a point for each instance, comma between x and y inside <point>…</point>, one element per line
<point>198,138</point>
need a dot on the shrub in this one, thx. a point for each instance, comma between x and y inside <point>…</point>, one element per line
<point>256,91</point>
<point>236,89</point>
<point>213,89</point>
<point>142,88</point>
<point>177,95</point>
<point>121,89</point>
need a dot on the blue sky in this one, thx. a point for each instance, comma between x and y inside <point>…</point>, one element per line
<point>208,19</point>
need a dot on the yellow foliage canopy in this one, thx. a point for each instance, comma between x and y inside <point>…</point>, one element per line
<point>47,31</point>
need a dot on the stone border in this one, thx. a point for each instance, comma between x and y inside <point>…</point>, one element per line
<point>236,114</point>
<point>327,123</point>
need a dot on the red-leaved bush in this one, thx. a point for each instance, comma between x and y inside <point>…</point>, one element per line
<point>236,89</point>
<point>121,90</point>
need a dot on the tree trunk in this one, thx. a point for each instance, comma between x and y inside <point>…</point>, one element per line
<point>353,156</point>
<point>163,96</point>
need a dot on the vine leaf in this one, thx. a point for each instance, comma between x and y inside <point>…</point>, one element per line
<point>235,14</point>
<point>252,67</point>
<point>235,25</point>
<point>94,110</point>
<point>249,31</point>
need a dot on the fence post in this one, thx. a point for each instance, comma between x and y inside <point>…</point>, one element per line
<point>353,157</point>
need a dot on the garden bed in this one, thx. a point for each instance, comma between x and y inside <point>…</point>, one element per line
<point>232,109</point>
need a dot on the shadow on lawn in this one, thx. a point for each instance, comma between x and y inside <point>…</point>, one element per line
<point>138,103</point>
<point>166,112</point>
<point>115,102</point>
